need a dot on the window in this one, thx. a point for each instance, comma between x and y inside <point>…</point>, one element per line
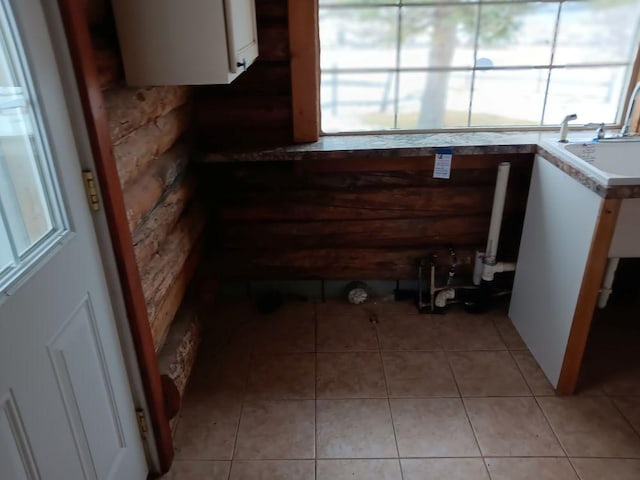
<point>31,215</point>
<point>437,64</point>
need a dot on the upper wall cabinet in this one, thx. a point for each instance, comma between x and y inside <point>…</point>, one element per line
<point>185,42</point>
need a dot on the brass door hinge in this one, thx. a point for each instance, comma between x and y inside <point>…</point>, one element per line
<point>142,422</point>
<point>91,190</point>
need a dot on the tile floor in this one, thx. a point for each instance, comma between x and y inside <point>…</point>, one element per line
<point>319,391</point>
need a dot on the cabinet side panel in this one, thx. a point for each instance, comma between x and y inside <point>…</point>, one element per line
<point>559,224</point>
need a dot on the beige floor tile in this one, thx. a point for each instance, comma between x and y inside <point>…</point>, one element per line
<point>281,376</point>
<point>346,333</point>
<point>272,470</point>
<point>590,427</point>
<point>606,468</point>
<point>419,374</point>
<point>383,306</point>
<point>436,427</point>
<point>509,334</point>
<point>198,470</point>
<point>281,429</point>
<point>511,427</point>
<point>398,331</point>
<point>630,408</point>
<point>533,374</point>
<point>530,469</point>
<point>358,470</point>
<point>350,375</point>
<point>444,468</point>
<point>622,380</point>
<point>462,331</point>
<point>484,374</point>
<point>207,428</point>
<point>340,308</point>
<point>224,374</point>
<point>286,333</point>
<point>355,429</point>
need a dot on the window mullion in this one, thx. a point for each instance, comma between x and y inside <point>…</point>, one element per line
<point>551,59</point>
<point>396,89</point>
<point>476,40</point>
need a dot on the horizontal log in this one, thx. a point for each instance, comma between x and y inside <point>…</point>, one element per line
<point>271,9</point>
<point>163,322</point>
<point>353,205</point>
<point>177,357</point>
<point>141,196</point>
<point>260,79</point>
<point>415,232</point>
<point>137,150</point>
<point>217,137</point>
<point>244,112</point>
<point>235,177</point>
<point>166,265</point>
<point>333,263</point>
<point>274,40</point>
<point>150,234</point>
<point>131,108</point>
<point>354,162</point>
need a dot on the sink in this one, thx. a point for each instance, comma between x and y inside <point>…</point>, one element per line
<point>611,162</point>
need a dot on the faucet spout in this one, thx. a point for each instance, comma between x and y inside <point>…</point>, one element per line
<point>624,131</point>
<point>564,126</point>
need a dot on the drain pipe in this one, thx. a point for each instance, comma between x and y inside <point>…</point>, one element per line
<point>607,282</point>
<point>486,264</point>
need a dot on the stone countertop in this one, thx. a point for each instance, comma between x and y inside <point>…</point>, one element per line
<point>421,144</point>
<point>389,145</point>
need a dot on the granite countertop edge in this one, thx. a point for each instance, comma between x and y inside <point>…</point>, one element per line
<point>418,144</point>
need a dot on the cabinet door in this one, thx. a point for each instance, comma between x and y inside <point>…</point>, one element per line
<point>242,35</point>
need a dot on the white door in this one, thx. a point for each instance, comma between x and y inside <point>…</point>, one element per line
<point>66,410</point>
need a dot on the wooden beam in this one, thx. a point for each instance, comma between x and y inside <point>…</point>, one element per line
<point>588,296</point>
<point>89,90</point>
<point>304,44</point>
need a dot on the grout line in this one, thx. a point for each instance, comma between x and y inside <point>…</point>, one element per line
<point>526,382</point>
<point>544,415</point>
<point>386,388</point>
<point>466,412</point>
<point>315,386</point>
<point>242,403</point>
<point>615,405</point>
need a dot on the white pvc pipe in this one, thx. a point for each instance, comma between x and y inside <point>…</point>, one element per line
<point>607,282</point>
<point>488,271</point>
<point>496,213</point>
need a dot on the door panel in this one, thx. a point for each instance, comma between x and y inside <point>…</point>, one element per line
<point>16,457</point>
<point>66,410</point>
<point>87,391</point>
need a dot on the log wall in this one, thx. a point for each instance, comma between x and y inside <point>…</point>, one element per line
<point>150,130</point>
<point>256,108</point>
<point>349,218</point>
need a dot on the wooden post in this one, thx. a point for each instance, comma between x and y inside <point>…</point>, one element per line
<point>304,45</point>
<point>588,295</point>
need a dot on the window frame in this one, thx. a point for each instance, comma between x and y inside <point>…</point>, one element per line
<point>304,43</point>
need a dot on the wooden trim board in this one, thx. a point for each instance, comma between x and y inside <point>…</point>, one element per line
<point>588,296</point>
<point>304,46</point>
<point>89,89</point>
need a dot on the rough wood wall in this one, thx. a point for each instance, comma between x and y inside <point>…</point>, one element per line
<point>256,108</point>
<point>347,219</point>
<point>149,132</point>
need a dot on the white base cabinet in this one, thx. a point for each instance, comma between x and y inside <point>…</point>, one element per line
<point>559,225</point>
<point>186,42</point>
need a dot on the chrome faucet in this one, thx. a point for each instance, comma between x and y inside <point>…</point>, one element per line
<point>564,126</point>
<point>624,131</point>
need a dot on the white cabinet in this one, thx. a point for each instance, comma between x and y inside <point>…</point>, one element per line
<point>558,229</point>
<point>185,42</point>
